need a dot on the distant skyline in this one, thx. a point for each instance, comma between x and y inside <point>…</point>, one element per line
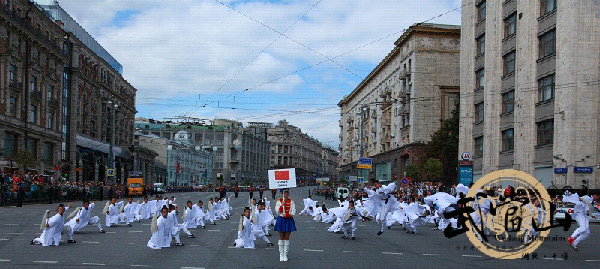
<point>251,60</point>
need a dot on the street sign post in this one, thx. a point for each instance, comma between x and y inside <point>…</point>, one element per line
<point>404,181</point>
<point>364,163</point>
<point>465,172</point>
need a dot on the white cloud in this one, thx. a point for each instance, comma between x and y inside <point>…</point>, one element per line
<point>175,50</point>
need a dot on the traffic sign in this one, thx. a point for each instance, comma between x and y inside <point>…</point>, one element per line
<point>404,181</point>
<point>365,163</point>
<point>466,156</point>
<point>110,172</point>
<point>361,179</point>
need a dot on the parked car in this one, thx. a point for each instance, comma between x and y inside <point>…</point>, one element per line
<point>595,215</point>
<point>561,209</point>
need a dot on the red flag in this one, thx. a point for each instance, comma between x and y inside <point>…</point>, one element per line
<point>282,175</point>
<point>178,168</point>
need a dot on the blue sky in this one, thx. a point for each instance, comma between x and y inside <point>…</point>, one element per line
<point>251,60</point>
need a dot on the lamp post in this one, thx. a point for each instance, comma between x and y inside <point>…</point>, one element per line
<point>111,156</point>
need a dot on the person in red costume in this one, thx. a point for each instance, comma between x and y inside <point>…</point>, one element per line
<point>285,224</point>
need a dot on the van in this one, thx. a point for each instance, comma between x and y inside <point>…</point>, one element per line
<point>158,187</point>
<point>135,186</point>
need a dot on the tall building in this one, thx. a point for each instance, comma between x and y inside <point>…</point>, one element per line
<point>239,154</point>
<point>291,148</point>
<point>32,64</point>
<point>391,114</point>
<point>529,89</point>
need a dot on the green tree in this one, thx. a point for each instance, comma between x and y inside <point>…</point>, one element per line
<point>444,145</point>
<point>24,158</point>
<point>433,169</point>
<point>412,171</point>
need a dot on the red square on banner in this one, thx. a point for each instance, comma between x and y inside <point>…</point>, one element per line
<point>282,175</point>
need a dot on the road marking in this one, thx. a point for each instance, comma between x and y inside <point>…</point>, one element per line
<point>392,253</point>
<point>2,260</point>
<point>111,232</point>
<point>136,231</point>
<point>90,242</point>
<point>140,265</point>
<point>347,251</point>
<point>313,250</point>
<point>194,245</point>
<point>4,239</point>
<point>427,254</point>
<point>192,268</point>
<point>472,256</point>
<point>592,260</point>
<point>215,230</point>
<point>91,263</point>
<point>46,261</point>
<point>231,247</point>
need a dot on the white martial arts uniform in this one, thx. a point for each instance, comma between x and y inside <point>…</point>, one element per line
<point>162,237</point>
<point>52,234</point>
<point>82,219</point>
<point>112,217</point>
<point>246,235</point>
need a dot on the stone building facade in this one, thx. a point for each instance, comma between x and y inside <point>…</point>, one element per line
<point>529,89</point>
<point>31,69</point>
<point>398,106</point>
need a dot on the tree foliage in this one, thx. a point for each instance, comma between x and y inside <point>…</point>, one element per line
<point>24,158</point>
<point>444,146</point>
<point>433,169</point>
<point>412,171</point>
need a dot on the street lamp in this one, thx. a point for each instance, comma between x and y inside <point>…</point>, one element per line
<point>111,156</point>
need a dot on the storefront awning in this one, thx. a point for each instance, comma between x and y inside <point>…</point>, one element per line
<point>95,145</point>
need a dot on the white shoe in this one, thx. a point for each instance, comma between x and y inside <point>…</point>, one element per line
<point>281,250</point>
<point>286,249</point>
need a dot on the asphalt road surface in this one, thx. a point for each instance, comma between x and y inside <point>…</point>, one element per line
<point>311,246</point>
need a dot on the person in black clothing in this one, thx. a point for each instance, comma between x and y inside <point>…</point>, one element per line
<point>260,192</point>
<point>273,193</point>
<point>251,192</point>
<point>236,190</point>
<point>20,195</point>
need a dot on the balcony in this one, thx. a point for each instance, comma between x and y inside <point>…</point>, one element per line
<point>15,87</point>
<point>36,96</point>
<point>53,103</point>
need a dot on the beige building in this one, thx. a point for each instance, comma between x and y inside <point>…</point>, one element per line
<point>529,88</point>
<point>397,107</point>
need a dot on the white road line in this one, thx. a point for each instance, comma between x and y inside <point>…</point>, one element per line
<point>129,243</point>
<point>427,254</point>
<point>347,251</point>
<point>392,253</point>
<point>46,261</point>
<point>592,260</point>
<point>136,231</point>
<point>90,242</point>
<point>2,260</point>
<point>194,245</point>
<point>231,247</point>
<point>215,230</point>
<point>192,268</point>
<point>313,250</point>
<point>472,256</point>
<point>91,263</point>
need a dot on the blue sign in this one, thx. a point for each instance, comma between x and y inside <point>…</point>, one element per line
<point>563,170</point>
<point>361,179</point>
<point>465,174</point>
<point>365,163</point>
<point>404,181</point>
<point>583,170</point>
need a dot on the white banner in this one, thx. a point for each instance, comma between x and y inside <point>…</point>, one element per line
<point>282,178</point>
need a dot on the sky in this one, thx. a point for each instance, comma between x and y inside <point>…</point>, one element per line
<point>252,61</point>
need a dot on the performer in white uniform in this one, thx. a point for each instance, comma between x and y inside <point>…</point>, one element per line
<point>53,228</point>
<point>112,212</point>
<point>83,217</point>
<point>145,209</point>
<point>580,214</point>
<point>349,220</point>
<point>245,231</point>
<point>383,201</point>
<point>260,219</point>
<point>161,234</point>
<point>129,212</point>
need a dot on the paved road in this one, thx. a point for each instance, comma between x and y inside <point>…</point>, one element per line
<point>311,247</point>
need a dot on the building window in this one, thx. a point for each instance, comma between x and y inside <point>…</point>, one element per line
<point>48,153</point>
<point>10,145</point>
<point>510,25</point>
<point>547,6</point>
<point>547,44</point>
<point>32,114</point>
<point>481,11</point>
<point>32,83</point>
<point>509,63</point>
<point>479,112</point>
<point>480,78</point>
<point>31,145</point>
<point>508,140</point>
<point>12,73</point>
<point>13,106</point>
<point>50,120</point>
<point>480,45</point>
<point>546,88</point>
<point>545,132</point>
<point>508,102</point>
<point>50,92</point>
<point>478,151</point>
